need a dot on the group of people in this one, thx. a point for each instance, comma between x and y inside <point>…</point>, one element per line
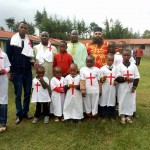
<point>76,82</point>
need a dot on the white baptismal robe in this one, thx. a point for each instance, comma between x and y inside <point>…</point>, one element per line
<point>91,77</point>
<point>126,99</point>
<point>108,97</point>
<point>5,64</point>
<point>57,103</point>
<point>40,94</point>
<point>73,105</point>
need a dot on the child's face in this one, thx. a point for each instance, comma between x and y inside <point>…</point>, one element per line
<point>58,73</point>
<point>121,47</point>
<point>89,62</point>
<point>110,60</point>
<point>62,47</point>
<point>40,73</point>
<point>73,70</point>
<point>112,48</point>
<point>126,56</point>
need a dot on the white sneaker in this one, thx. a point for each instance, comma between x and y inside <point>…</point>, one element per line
<point>46,119</point>
<point>35,120</point>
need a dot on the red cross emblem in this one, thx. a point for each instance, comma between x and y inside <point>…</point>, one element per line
<point>111,77</point>
<point>37,86</point>
<point>90,78</point>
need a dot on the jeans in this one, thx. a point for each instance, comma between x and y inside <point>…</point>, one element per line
<point>3,114</point>
<point>22,81</point>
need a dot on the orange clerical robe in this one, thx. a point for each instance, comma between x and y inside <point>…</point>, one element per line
<point>99,52</point>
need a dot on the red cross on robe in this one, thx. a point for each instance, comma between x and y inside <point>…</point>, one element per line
<point>30,43</point>
<point>37,86</point>
<point>61,88</point>
<point>90,78</point>
<point>72,88</point>
<point>50,47</point>
<point>111,77</point>
<point>128,74</point>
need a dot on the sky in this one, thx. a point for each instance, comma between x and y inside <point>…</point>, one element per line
<point>133,14</point>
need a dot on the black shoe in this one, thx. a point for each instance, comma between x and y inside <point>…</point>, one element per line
<point>18,120</point>
<point>27,116</point>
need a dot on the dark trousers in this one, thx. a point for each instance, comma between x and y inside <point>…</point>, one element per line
<point>138,59</point>
<point>45,106</point>
<point>3,114</point>
<point>22,81</point>
<point>107,111</point>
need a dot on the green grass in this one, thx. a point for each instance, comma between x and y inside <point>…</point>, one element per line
<point>89,135</point>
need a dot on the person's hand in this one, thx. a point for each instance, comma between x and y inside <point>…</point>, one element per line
<point>115,83</point>
<point>83,93</point>
<point>129,80</point>
<point>10,75</point>
<point>133,89</point>
<point>36,64</point>
<point>2,72</point>
<point>103,79</point>
<point>62,90</point>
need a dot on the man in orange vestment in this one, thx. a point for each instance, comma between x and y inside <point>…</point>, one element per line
<point>98,48</point>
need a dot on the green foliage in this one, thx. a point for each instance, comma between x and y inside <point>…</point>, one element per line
<point>146,34</point>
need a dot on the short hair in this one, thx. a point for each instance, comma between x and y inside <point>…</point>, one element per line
<point>44,32</point>
<point>109,54</point>
<point>127,50</point>
<point>122,42</point>
<point>24,22</point>
<point>90,56</point>
<point>40,68</point>
<point>111,42</point>
<point>63,41</point>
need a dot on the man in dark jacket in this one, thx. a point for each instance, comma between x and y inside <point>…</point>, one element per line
<point>19,51</point>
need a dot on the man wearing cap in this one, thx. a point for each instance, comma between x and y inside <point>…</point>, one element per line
<point>98,48</point>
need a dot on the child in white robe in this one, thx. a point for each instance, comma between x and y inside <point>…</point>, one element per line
<point>108,97</point>
<point>4,69</point>
<point>73,105</point>
<point>41,95</point>
<point>58,94</point>
<point>89,86</point>
<point>128,78</point>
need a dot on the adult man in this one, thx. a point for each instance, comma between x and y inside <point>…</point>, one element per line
<point>44,54</point>
<point>138,54</point>
<point>19,51</point>
<point>77,50</point>
<point>98,48</point>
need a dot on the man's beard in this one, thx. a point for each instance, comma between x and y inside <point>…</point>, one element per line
<point>98,41</point>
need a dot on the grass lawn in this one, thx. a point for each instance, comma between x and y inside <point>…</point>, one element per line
<point>89,135</point>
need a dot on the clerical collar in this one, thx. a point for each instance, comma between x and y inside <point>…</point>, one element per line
<point>126,64</point>
<point>109,67</point>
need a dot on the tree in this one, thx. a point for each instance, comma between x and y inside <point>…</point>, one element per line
<point>10,22</point>
<point>2,28</point>
<point>146,34</point>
